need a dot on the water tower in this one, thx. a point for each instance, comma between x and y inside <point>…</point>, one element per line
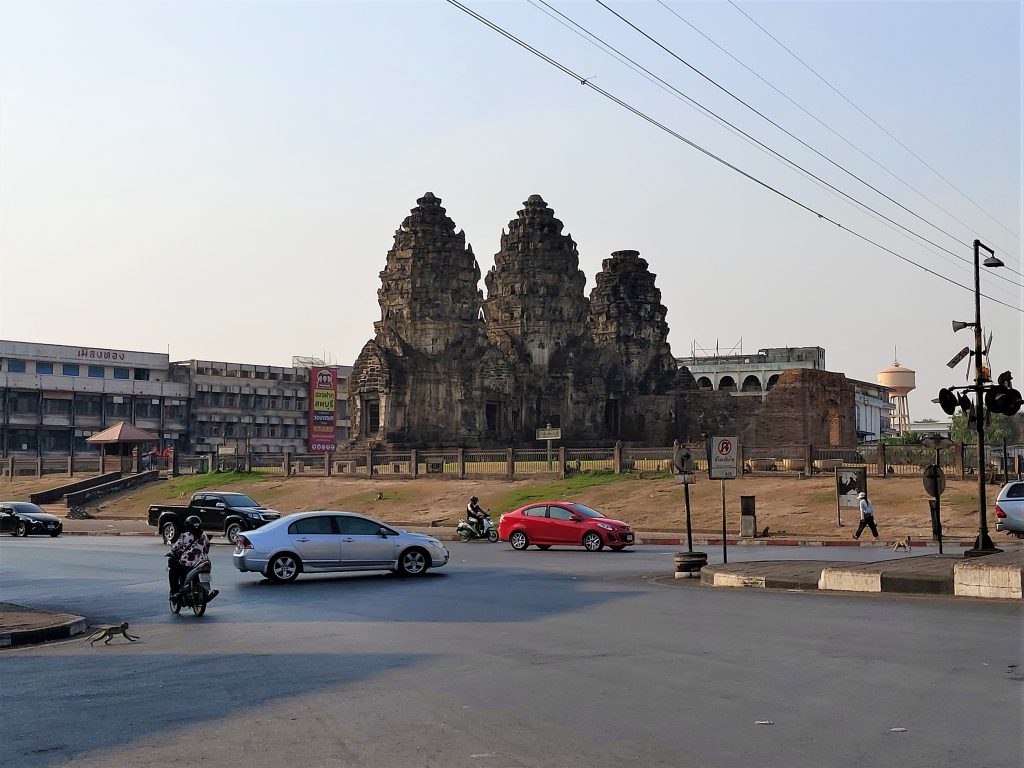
<point>900,381</point>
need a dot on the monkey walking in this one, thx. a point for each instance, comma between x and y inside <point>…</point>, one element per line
<point>903,544</point>
<point>106,634</point>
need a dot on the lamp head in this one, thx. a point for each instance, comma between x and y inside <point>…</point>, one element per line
<point>992,261</point>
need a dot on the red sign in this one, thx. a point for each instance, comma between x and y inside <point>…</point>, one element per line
<point>323,391</point>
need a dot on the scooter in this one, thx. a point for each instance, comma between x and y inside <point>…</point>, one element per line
<point>196,589</point>
<point>469,532</point>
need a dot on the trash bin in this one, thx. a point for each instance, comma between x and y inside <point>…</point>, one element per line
<point>748,517</point>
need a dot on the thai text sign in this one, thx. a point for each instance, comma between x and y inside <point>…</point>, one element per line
<point>723,458</point>
<point>323,389</point>
<point>551,433</point>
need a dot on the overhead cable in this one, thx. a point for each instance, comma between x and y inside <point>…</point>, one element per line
<point>644,116</point>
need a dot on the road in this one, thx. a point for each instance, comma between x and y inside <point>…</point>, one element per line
<point>561,658</point>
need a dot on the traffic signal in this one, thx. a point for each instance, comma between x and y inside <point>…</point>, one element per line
<point>1003,399</point>
<point>947,401</point>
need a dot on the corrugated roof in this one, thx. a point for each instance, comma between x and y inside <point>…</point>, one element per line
<point>122,432</point>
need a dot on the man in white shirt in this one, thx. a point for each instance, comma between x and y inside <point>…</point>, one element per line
<point>867,517</point>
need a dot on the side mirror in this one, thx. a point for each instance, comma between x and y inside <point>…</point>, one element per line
<point>382,532</point>
<point>220,505</point>
<point>577,519</point>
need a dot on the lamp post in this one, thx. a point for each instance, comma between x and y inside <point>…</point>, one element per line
<point>983,544</point>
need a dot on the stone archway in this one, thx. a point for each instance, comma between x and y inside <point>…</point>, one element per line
<point>727,384</point>
<point>751,384</point>
<point>705,383</point>
<point>772,381</point>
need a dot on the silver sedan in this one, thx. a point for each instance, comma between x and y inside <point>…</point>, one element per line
<point>321,542</point>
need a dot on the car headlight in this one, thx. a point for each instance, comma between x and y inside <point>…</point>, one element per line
<point>255,515</point>
<point>606,526</point>
<point>436,544</point>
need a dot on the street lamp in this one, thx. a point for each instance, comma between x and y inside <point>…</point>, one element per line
<point>983,544</point>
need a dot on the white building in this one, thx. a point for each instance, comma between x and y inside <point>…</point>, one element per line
<point>53,396</point>
<point>874,411</point>
<point>751,375</point>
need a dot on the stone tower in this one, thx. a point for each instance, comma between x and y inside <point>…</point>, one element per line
<point>428,296</point>
<point>536,305</point>
<point>627,324</point>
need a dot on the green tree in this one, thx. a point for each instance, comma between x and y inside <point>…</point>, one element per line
<point>1000,427</point>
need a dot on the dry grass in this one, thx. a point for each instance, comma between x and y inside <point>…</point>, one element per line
<point>786,505</point>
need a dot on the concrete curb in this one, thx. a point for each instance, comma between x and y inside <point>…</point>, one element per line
<point>62,631</point>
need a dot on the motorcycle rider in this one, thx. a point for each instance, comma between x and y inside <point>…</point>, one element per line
<point>475,516</point>
<point>191,548</point>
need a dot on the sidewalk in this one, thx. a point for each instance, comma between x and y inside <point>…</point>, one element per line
<point>994,576</point>
<point>22,626</point>
<point>101,527</point>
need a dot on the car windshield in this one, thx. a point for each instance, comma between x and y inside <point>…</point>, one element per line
<point>238,500</point>
<point>584,510</point>
<point>26,508</point>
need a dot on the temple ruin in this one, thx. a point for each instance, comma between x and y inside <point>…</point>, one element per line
<point>449,366</point>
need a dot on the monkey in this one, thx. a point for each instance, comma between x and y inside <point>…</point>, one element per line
<point>903,544</point>
<point>764,533</point>
<point>109,633</point>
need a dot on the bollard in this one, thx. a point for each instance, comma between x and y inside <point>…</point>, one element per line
<point>748,517</point>
<point>688,564</point>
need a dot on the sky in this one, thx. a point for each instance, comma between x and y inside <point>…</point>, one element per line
<point>223,180</point>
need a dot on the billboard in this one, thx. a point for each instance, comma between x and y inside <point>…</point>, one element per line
<point>323,391</point>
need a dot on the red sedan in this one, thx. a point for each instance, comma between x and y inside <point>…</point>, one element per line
<point>567,523</point>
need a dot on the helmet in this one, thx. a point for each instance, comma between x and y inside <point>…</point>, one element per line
<point>862,495</point>
<point>474,500</point>
<point>193,523</point>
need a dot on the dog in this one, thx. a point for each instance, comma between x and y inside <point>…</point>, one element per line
<point>106,634</point>
<point>380,495</point>
<point>903,544</point>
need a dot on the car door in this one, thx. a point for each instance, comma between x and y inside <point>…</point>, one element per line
<point>201,507</point>
<point>315,539</point>
<point>8,520</point>
<point>535,523</point>
<point>362,546</point>
<point>564,526</point>
<point>1013,505</point>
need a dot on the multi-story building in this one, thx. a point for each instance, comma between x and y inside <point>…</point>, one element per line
<point>241,407</point>
<point>874,411</point>
<point>751,375</point>
<point>53,396</point>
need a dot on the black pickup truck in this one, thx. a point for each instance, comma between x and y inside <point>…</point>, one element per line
<point>222,512</point>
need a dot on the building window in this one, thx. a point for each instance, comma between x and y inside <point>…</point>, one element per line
<point>21,440</point>
<point>56,441</point>
<point>71,369</point>
<point>16,366</point>
<point>147,408</point>
<point>121,373</point>
<point>273,403</point>
<point>119,407</point>
<point>372,417</point>
<point>56,407</point>
<point>257,431</point>
<point>87,405</point>
<point>44,368</point>
<point>142,374</point>
<point>24,402</point>
<point>96,372</point>
<point>229,430</point>
<point>342,409</point>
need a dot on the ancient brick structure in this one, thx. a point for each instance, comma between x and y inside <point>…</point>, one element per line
<point>448,367</point>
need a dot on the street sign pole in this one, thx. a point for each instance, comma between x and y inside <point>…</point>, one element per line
<point>689,534</point>
<point>725,553</point>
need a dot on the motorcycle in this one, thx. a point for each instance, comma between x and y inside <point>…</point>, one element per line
<point>469,532</point>
<point>196,589</point>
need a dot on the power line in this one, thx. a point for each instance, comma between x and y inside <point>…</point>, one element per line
<point>611,50</point>
<point>876,123</point>
<point>644,116</point>
<point>796,138</point>
<point>814,117</point>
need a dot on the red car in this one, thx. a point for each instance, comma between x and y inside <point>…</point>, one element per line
<point>566,523</point>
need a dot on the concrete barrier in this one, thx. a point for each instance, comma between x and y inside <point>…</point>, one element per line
<point>997,576</point>
<point>850,580</point>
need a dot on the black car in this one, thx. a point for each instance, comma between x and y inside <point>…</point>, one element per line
<point>19,518</point>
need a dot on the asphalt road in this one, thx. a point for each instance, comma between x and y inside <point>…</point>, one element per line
<point>563,658</point>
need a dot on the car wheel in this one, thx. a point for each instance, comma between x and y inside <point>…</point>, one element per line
<point>544,546</point>
<point>617,547</point>
<point>169,532</point>
<point>284,568</point>
<point>413,562</point>
<point>22,528</point>
<point>232,532</point>
<point>54,534</point>
<point>593,541</point>
<point>518,540</point>
<point>492,535</point>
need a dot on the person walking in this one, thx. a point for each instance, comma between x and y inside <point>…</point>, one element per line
<point>867,517</point>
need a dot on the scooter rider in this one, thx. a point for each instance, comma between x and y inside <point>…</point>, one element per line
<point>476,515</point>
<point>191,548</point>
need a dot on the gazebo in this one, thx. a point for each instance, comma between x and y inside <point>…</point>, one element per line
<point>124,435</point>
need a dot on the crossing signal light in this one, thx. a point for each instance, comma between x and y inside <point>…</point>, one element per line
<point>947,402</point>
<point>1003,399</point>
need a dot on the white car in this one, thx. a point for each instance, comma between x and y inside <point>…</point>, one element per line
<point>324,541</point>
<point>1010,509</point>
